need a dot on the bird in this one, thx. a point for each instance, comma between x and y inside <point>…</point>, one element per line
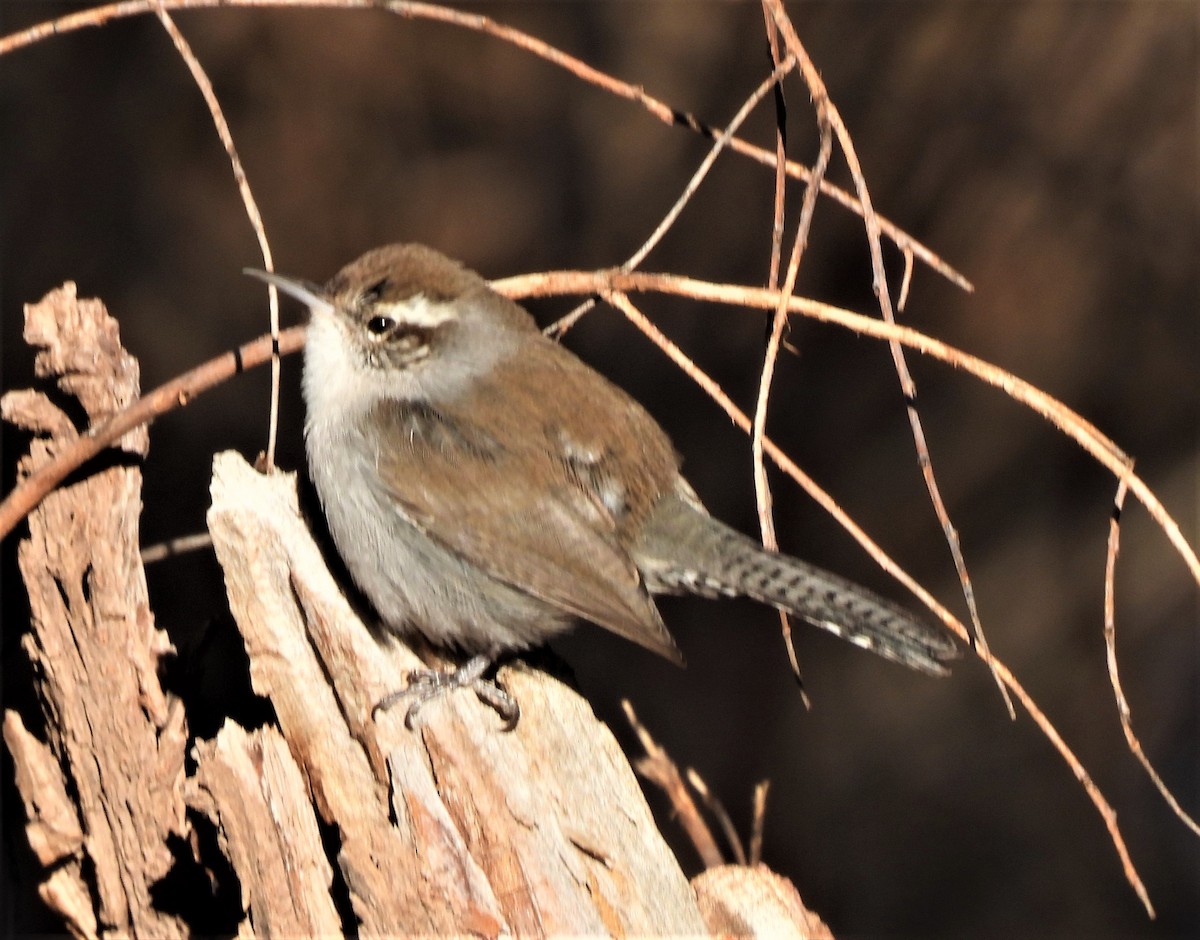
<point>487,489</point>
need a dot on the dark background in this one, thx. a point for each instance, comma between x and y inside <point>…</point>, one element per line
<point>1048,150</point>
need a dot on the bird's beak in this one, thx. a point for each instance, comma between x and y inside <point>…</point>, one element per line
<point>304,291</point>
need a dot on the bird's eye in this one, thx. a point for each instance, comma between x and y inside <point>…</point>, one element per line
<point>378,326</point>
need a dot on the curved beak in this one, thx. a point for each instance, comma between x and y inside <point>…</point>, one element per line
<point>304,291</point>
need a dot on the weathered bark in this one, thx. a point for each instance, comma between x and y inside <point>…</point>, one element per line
<point>457,827</point>
<point>250,787</point>
<point>753,901</point>
<point>103,793</point>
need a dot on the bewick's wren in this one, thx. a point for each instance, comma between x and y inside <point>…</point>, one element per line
<point>486,488</point>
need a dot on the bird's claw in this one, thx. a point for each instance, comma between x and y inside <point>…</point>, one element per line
<point>424,685</point>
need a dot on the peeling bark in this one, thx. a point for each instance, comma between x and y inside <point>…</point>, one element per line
<point>456,827</point>
<point>115,740</point>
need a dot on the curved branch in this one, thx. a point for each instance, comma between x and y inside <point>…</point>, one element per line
<point>167,397</point>
<point>98,16</point>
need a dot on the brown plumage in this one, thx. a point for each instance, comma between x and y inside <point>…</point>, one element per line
<point>486,488</point>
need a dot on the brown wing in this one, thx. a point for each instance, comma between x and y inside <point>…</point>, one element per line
<point>504,492</point>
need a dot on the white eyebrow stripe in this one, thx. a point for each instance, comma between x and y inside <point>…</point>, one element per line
<point>418,311</point>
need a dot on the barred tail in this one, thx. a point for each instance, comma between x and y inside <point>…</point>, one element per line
<point>684,550</point>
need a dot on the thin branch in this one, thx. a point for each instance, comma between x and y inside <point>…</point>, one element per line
<point>1067,420</point>
<point>778,209</point>
<point>780,201</point>
<point>905,281</point>
<point>762,485</point>
<point>564,323</point>
<point>710,158</point>
<point>243,184</point>
<point>714,806</point>
<point>758,823</point>
<point>175,547</point>
<point>829,112</point>
<point>1110,647</point>
<point>167,397</point>
<point>659,769</point>
<point>1107,813</point>
<point>98,16</point>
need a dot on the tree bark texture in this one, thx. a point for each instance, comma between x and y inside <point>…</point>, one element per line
<point>104,792</point>
<point>333,818</point>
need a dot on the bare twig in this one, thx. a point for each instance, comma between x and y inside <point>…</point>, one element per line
<point>167,397</point>
<point>98,16</point>
<point>1066,419</point>
<point>778,209</point>
<point>1110,647</point>
<point>564,323</point>
<point>780,156</point>
<point>905,281</point>
<point>762,485</point>
<point>829,112</point>
<point>200,77</point>
<point>710,158</point>
<point>1107,814</point>
<point>715,806</point>
<point>173,547</point>
<point>659,769</point>
<point>759,821</point>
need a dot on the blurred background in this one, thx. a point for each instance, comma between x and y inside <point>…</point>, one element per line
<point>1047,150</point>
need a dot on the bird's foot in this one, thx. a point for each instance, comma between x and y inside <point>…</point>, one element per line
<point>424,685</point>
